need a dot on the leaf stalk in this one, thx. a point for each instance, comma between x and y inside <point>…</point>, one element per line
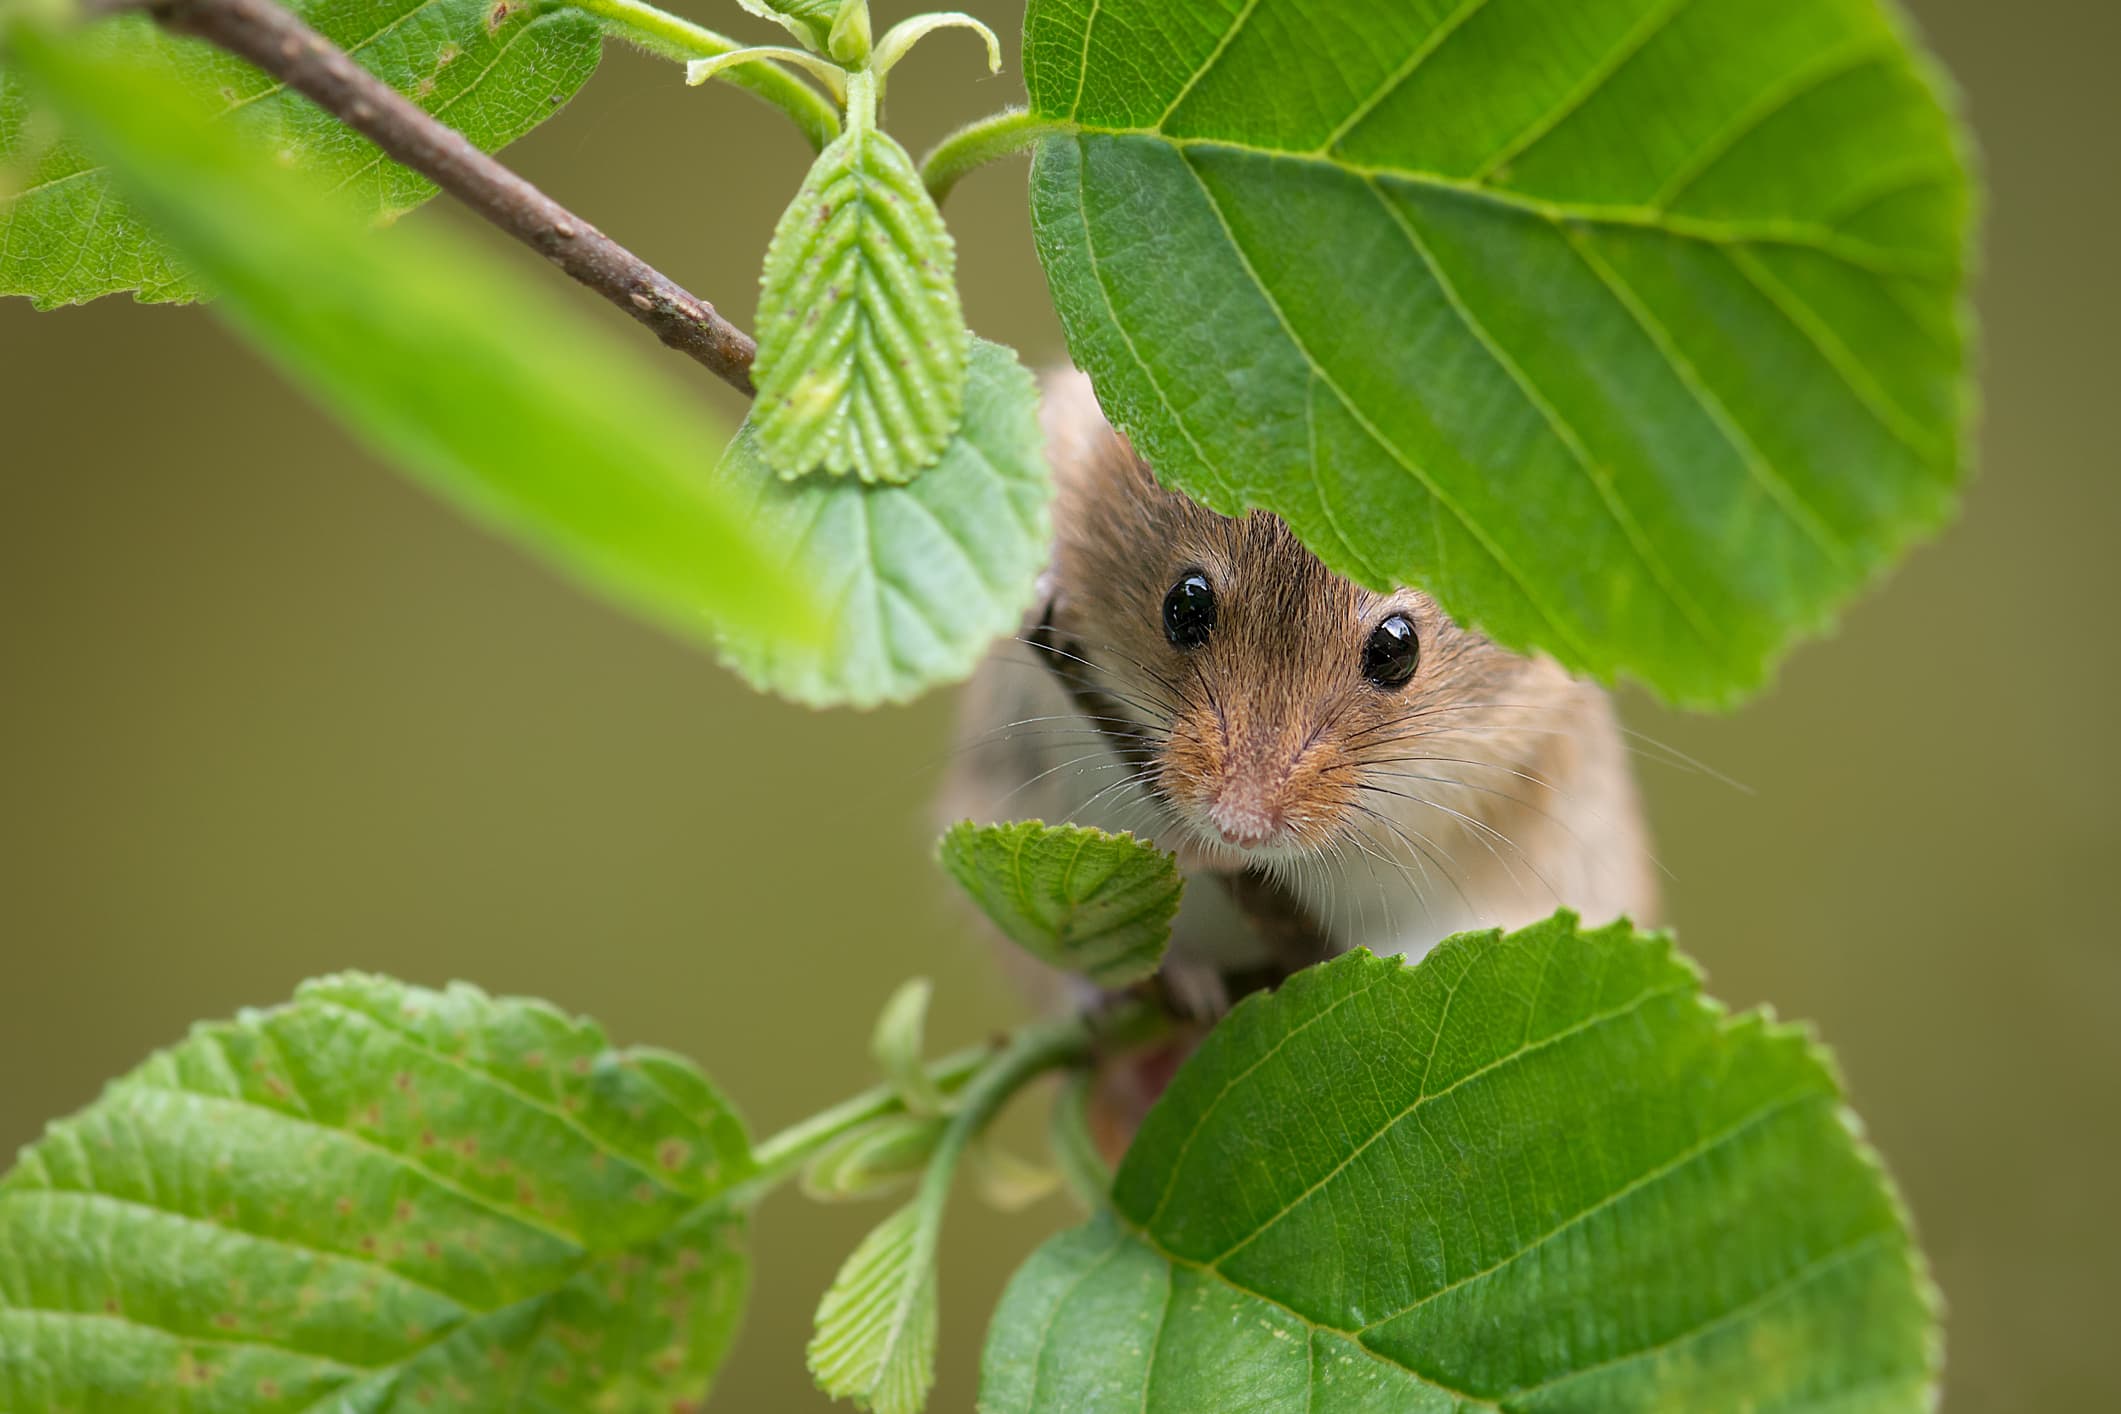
<point>978,143</point>
<point>668,36</point>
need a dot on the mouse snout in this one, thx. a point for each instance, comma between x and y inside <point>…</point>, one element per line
<point>1243,818</point>
<point>1248,791</point>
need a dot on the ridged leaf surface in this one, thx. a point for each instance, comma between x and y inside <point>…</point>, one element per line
<point>1632,329</point>
<point>875,1339</point>
<point>378,1198</point>
<point>1531,1173</point>
<point>862,344</point>
<point>921,577</point>
<point>1078,898</point>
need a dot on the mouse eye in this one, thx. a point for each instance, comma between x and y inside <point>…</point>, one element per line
<point>1392,653</point>
<point>1189,610</point>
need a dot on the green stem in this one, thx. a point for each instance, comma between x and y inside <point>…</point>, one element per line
<point>980,1080</point>
<point>981,142</point>
<point>664,34</point>
<point>1082,1167</point>
<point>1030,1053</point>
<point>782,1154</point>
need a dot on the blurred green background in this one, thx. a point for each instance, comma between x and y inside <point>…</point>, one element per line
<point>266,711</point>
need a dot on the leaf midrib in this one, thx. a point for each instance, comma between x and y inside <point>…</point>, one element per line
<point>1868,256</point>
<point>1687,1157</point>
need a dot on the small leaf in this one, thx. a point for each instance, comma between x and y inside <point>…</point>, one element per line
<point>1533,1172</point>
<point>862,345</point>
<point>735,63</point>
<point>474,378</point>
<point>922,577</point>
<point>494,68</point>
<point>810,21</point>
<point>875,1340</point>
<point>1078,898</point>
<point>1634,330</point>
<point>1006,1181</point>
<point>906,33</point>
<point>851,38</point>
<point>900,1047</point>
<point>880,1156</point>
<point>378,1197</point>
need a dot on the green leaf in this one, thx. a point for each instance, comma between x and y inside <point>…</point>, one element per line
<point>810,21</point>
<point>1531,1173</point>
<point>876,1158</point>
<point>1077,898</point>
<point>921,578</point>
<point>875,1340</point>
<point>900,1046</point>
<point>1632,329</point>
<point>492,69</point>
<point>380,1198</point>
<point>862,344</point>
<point>477,381</point>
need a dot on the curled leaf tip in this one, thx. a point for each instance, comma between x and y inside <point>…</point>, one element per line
<point>905,34</point>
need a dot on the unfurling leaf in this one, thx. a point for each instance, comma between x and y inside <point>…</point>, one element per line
<point>862,345</point>
<point>378,1197</point>
<point>475,379</point>
<point>875,1340</point>
<point>851,35</point>
<point>882,1155</point>
<point>810,21</point>
<point>1533,1173</point>
<point>900,1047</point>
<point>1633,330</point>
<point>920,578</point>
<point>493,68</point>
<point>1077,898</point>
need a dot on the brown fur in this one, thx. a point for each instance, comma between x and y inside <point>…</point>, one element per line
<point>1495,783</point>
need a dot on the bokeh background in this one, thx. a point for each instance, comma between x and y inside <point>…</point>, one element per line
<point>267,711</point>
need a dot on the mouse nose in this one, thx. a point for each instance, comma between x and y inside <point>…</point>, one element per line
<point>1242,822</point>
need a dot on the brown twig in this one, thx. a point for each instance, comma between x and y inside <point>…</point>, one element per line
<point>274,39</point>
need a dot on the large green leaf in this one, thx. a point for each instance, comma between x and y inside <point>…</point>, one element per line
<point>1530,1173</point>
<point>492,69</point>
<point>922,577</point>
<point>378,1198</point>
<point>1632,329</point>
<point>1078,898</point>
<point>474,378</point>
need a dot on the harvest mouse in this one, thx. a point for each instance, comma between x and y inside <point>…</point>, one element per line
<point>1333,766</point>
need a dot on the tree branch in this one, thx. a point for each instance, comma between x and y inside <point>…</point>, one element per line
<point>278,42</point>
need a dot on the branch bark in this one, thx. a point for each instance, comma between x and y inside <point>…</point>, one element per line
<point>278,42</point>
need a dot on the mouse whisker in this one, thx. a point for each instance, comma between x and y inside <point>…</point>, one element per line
<point>1177,693</point>
<point>1140,775</point>
<point>1423,845</point>
<point>1671,755</point>
<point>1597,817</point>
<point>1087,763</point>
<point>1685,765</point>
<point>1156,712</point>
<point>1487,832</point>
<point>1054,650</point>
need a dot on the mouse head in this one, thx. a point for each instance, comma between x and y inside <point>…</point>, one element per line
<point>1268,701</point>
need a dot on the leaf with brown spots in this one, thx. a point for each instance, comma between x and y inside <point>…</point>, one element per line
<point>324,1205</point>
<point>492,71</point>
